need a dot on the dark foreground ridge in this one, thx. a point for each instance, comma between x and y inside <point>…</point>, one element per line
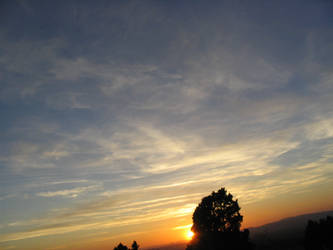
<point>287,233</point>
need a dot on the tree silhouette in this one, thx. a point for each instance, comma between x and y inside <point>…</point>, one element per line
<point>318,235</point>
<point>217,212</point>
<point>121,247</point>
<point>135,246</point>
<point>216,224</point>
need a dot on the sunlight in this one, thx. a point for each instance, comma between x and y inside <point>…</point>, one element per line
<point>189,235</point>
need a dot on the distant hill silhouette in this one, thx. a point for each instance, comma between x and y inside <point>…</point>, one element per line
<point>174,246</point>
<point>287,233</point>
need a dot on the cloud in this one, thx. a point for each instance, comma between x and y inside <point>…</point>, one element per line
<point>8,196</point>
<point>43,232</point>
<point>106,214</point>
<point>27,155</point>
<point>67,192</point>
<point>321,129</point>
<point>183,227</point>
<point>308,152</point>
<point>20,75</point>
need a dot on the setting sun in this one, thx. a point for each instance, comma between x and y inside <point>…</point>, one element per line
<point>189,234</point>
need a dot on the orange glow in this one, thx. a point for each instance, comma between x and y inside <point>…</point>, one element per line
<point>189,234</point>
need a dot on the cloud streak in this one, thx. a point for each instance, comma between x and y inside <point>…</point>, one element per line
<point>67,192</point>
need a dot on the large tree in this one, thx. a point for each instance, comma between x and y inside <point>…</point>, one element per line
<point>217,212</point>
<point>216,224</point>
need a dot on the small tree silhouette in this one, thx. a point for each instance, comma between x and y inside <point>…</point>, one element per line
<point>135,246</point>
<point>216,224</point>
<point>121,247</point>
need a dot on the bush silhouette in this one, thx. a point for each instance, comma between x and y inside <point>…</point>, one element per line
<point>135,246</point>
<point>216,224</point>
<point>318,235</point>
<point>121,247</point>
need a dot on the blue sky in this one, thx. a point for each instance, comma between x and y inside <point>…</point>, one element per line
<point>116,114</point>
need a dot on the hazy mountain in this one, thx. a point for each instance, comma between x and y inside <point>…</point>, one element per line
<point>283,228</point>
<point>175,246</point>
<point>287,233</point>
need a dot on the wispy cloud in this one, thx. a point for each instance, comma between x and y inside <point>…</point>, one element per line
<point>67,192</point>
<point>183,227</point>
<point>106,214</point>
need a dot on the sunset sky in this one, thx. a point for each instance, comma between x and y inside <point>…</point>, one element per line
<point>117,117</point>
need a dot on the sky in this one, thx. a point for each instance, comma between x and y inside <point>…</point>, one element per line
<point>118,117</point>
